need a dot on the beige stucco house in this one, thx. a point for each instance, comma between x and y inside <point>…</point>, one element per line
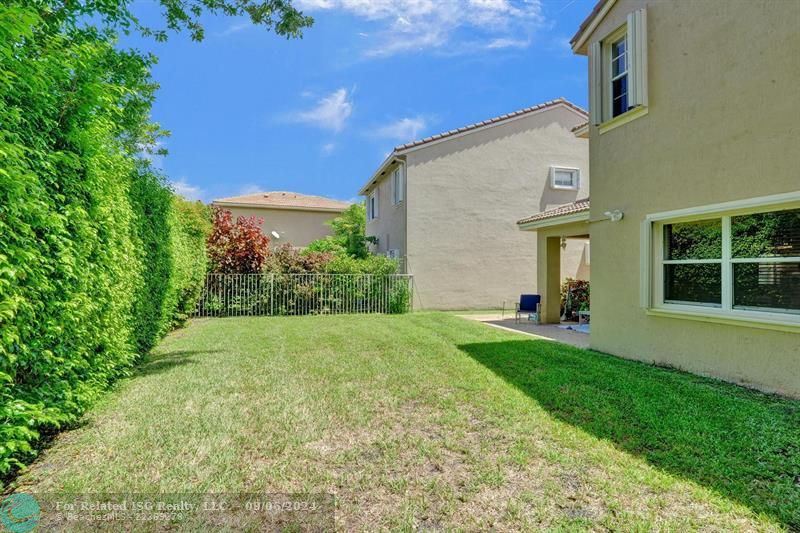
<point>287,217</point>
<point>695,201</point>
<point>446,205</point>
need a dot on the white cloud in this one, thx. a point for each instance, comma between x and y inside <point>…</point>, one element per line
<point>328,148</point>
<point>405,129</point>
<point>410,25</point>
<point>187,190</point>
<point>250,188</point>
<point>315,4</point>
<point>330,113</point>
<point>235,28</point>
<point>508,43</point>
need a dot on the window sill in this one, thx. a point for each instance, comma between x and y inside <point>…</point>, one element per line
<point>557,188</point>
<point>624,118</point>
<point>789,325</point>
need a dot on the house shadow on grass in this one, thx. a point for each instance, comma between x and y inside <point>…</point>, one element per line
<point>742,444</point>
<point>158,363</point>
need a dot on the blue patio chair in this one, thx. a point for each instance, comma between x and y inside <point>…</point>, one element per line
<point>530,304</point>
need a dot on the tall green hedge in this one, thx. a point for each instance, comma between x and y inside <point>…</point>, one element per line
<point>98,258</point>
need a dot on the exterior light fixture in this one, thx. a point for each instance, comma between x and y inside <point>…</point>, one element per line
<point>615,216</point>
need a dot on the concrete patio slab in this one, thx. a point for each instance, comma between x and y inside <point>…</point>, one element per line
<point>545,331</point>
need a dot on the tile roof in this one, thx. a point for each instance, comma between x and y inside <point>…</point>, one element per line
<point>588,20</point>
<point>579,126</point>
<point>491,121</point>
<point>577,206</point>
<point>286,200</point>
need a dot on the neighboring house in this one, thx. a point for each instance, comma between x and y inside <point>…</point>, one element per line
<point>288,217</point>
<point>695,201</point>
<point>446,205</point>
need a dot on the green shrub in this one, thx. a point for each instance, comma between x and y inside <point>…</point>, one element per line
<point>93,252</point>
<point>192,223</point>
<point>349,234</point>
<point>574,297</point>
<point>372,264</point>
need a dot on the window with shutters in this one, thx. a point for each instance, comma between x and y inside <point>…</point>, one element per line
<point>619,74</point>
<point>372,206</point>
<point>397,185</point>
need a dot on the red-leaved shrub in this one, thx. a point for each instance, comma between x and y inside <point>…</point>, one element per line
<point>237,247</point>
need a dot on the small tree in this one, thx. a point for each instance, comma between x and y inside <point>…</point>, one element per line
<point>236,247</point>
<point>349,234</point>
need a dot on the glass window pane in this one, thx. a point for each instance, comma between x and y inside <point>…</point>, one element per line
<point>693,284</point>
<point>775,234</point>
<point>618,65</point>
<point>618,48</point>
<point>619,87</point>
<point>620,105</point>
<point>565,178</point>
<point>693,240</point>
<point>774,286</point>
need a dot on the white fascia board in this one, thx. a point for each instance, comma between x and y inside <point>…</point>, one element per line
<point>584,36</point>
<point>378,175</point>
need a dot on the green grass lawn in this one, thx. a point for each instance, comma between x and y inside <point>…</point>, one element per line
<point>434,422</point>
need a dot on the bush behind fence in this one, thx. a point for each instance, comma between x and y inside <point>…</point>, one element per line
<point>304,294</point>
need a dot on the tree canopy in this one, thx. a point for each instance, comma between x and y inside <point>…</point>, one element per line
<point>279,16</point>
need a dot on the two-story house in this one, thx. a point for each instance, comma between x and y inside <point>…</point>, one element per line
<point>694,220</point>
<point>286,217</point>
<point>446,205</point>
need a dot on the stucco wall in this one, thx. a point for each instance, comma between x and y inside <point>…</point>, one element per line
<point>464,198</point>
<point>294,226</point>
<point>722,125</point>
<point>390,226</point>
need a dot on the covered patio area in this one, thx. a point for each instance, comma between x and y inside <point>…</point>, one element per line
<point>555,229</point>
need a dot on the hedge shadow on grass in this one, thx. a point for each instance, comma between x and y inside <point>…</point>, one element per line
<point>743,444</point>
<point>156,364</point>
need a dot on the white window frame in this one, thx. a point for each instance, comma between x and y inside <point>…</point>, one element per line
<point>398,185</point>
<point>607,69</point>
<point>373,205</point>
<point>576,182</point>
<point>634,31</point>
<point>652,259</point>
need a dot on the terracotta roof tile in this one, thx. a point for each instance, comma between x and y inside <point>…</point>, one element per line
<point>568,209</point>
<point>288,200</point>
<point>495,120</point>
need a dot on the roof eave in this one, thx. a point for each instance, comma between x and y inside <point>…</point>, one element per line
<point>376,177</point>
<point>490,123</point>
<point>568,218</point>
<point>582,132</point>
<point>578,42</point>
<point>279,207</point>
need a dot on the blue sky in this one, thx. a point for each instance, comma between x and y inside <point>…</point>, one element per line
<point>251,111</point>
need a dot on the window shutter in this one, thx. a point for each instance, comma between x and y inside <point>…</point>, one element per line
<point>394,187</point>
<point>401,180</point>
<point>645,268</point>
<point>595,83</point>
<point>637,53</point>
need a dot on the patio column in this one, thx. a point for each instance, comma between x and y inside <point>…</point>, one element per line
<point>549,278</point>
